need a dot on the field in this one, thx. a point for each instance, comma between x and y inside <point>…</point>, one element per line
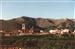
<point>39,42</point>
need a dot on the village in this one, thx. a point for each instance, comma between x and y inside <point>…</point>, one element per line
<point>32,31</point>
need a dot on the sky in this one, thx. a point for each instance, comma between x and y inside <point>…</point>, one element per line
<point>74,10</point>
<point>37,8</point>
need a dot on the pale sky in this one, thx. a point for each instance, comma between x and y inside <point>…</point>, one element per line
<point>39,8</point>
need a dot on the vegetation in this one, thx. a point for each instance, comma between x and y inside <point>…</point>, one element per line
<point>41,42</point>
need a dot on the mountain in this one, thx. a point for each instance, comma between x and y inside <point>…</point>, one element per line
<point>44,23</point>
<point>41,23</point>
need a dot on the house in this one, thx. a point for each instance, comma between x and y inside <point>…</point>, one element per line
<point>1,33</point>
<point>37,30</point>
<point>73,32</point>
<point>41,31</point>
<point>55,31</point>
<point>65,31</point>
<point>31,30</point>
<point>4,33</point>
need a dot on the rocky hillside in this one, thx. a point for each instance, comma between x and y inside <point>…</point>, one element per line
<point>41,23</point>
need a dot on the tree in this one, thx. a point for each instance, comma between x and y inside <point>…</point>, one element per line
<point>50,27</point>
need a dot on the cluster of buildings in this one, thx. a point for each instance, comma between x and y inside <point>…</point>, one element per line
<point>35,31</point>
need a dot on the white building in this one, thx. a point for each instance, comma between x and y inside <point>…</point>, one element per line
<point>65,31</point>
<point>56,31</point>
<point>23,26</point>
